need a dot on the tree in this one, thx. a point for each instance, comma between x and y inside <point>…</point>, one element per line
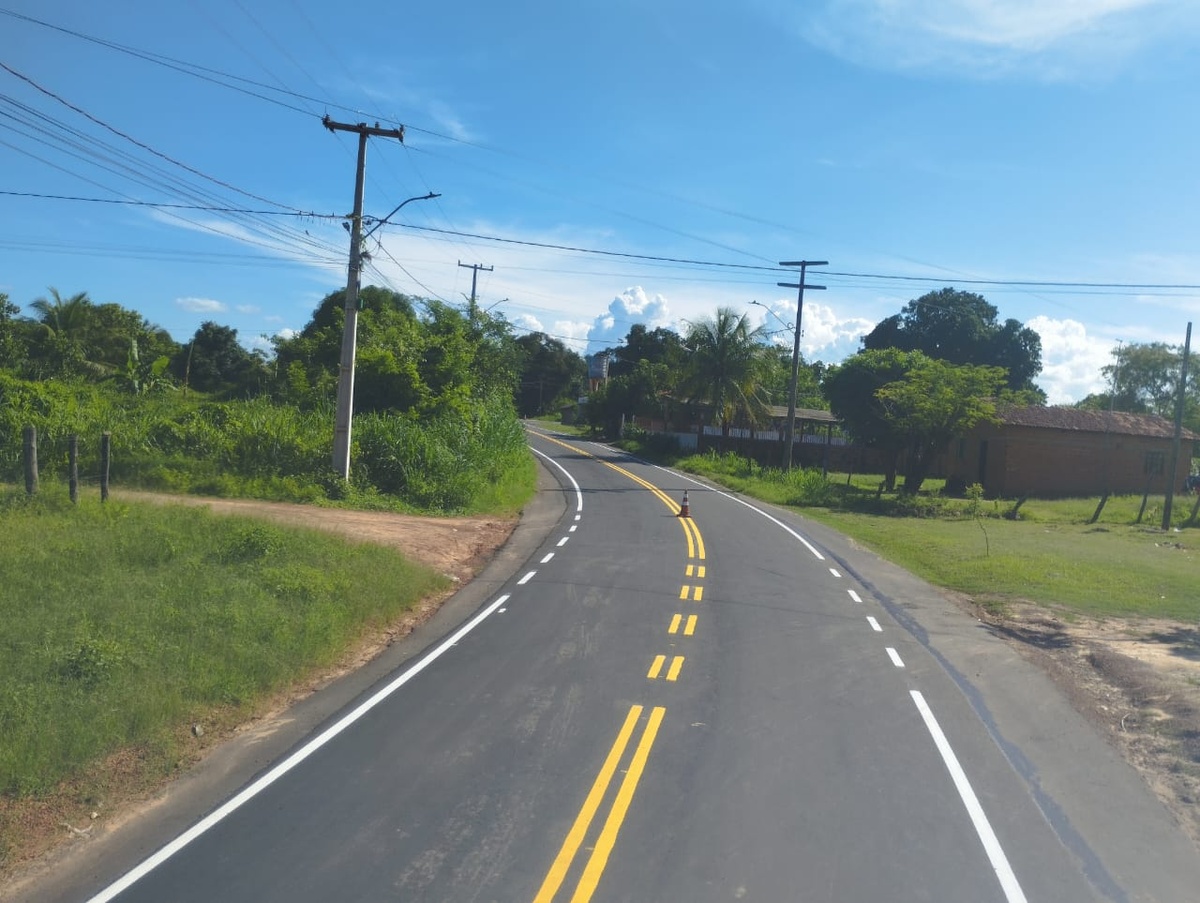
<point>777,379</point>
<point>934,402</point>
<point>904,401</point>
<point>58,349</point>
<point>961,328</point>
<point>725,367</point>
<point>550,373</point>
<point>213,361</point>
<point>12,337</point>
<point>656,346</point>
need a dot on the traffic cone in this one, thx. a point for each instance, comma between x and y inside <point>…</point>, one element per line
<point>684,510</point>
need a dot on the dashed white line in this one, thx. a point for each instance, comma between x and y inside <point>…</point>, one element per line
<point>578,516</point>
<point>854,595</point>
<point>526,578</point>
<point>895,657</point>
<point>991,845</point>
<point>573,528</point>
<point>547,558</point>
<point>834,571</point>
<point>874,624</point>
<point>562,542</point>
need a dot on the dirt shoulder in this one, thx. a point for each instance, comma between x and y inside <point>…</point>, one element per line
<point>1136,680</point>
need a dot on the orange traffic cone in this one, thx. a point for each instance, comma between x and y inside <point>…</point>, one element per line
<point>684,510</point>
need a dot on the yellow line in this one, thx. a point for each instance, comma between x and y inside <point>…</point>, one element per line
<point>583,821</point>
<point>673,674</point>
<point>608,836</point>
<point>656,667</point>
<point>690,628</point>
<point>701,572</point>
<point>674,628</point>
<point>690,569</point>
<point>690,530</point>
<point>683,593</point>
<point>699,593</point>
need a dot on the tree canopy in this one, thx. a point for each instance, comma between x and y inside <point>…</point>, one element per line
<point>725,367</point>
<point>962,328</point>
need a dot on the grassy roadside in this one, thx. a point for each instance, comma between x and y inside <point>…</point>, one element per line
<point>123,623</point>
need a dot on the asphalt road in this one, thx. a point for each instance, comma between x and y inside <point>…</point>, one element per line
<point>733,706</point>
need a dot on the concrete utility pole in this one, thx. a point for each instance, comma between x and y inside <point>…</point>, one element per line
<point>1179,401</point>
<point>790,430</point>
<point>474,268</point>
<point>345,396</point>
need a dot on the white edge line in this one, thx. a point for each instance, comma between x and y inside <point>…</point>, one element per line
<point>776,521</point>
<point>874,624</point>
<point>578,491</point>
<point>991,845</point>
<point>895,657</point>
<point>236,802</point>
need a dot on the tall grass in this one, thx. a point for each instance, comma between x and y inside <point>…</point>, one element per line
<point>123,621</point>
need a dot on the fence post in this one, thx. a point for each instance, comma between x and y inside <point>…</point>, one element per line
<point>105,445</point>
<point>73,454</point>
<point>31,468</point>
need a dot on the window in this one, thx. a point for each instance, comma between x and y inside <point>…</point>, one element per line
<point>1155,463</point>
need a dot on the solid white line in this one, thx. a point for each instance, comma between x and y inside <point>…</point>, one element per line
<point>895,657</point>
<point>219,814</point>
<point>995,854</point>
<point>562,542</point>
<point>874,624</point>
<point>578,491</point>
<point>854,595</point>
<point>526,578</point>
<point>547,558</point>
<point>834,571</point>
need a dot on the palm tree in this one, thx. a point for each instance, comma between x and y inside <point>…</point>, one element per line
<point>724,367</point>
<point>66,322</point>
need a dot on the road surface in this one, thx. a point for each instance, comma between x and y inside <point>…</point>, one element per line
<point>731,706</point>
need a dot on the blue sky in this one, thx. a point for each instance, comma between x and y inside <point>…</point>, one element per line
<point>911,143</point>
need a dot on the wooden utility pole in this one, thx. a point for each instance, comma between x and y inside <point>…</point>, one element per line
<point>1187,347</point>
<point>474,268</point>
<point>790,429</point>
<point>345,396</point>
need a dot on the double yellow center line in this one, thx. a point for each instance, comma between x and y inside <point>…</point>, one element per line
<point>605,841</point>
<point>608,834</point>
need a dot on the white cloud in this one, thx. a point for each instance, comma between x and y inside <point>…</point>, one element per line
<point>824,335</point>
<point>247,309</point>
<point>1042,38</point>
<point>201,305</point>
<point>1071,359</point>
<point>631,306</point>
<point>287,333</point>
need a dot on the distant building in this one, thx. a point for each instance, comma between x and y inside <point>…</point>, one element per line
<point>1064,451</point>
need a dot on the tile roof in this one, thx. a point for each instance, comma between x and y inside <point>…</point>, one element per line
<point>1062,418</point>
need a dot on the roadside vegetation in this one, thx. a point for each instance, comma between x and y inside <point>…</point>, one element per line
<point>125,624</point>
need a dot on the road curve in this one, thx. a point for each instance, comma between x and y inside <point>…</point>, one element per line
<point>733,706</point>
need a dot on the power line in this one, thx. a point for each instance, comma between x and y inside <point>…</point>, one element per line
<point>134,203</point>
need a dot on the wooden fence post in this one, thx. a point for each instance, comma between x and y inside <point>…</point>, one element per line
<point>105,446</point>
<point>73,455</point>
<point>31,464</point>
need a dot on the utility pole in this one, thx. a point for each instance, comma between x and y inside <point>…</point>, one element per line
<point>345,396</point>
<point>790,430</point>
<point>1179,400</point>
<point>474,268</point>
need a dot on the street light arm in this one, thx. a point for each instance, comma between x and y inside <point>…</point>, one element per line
<point>423,197</point>
<point>786,325</point>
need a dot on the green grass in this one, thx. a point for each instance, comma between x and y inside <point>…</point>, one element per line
<point>120,623</point>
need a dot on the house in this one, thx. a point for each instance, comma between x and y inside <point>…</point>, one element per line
<point>1065,451</point>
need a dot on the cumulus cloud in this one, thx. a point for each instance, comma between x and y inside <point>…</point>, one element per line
<point>201,305</point>
<point>1071,359</point>
<point>824,335</point>
<point>990,37</point>
<point>631,306</point>
<point>248,309</point>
